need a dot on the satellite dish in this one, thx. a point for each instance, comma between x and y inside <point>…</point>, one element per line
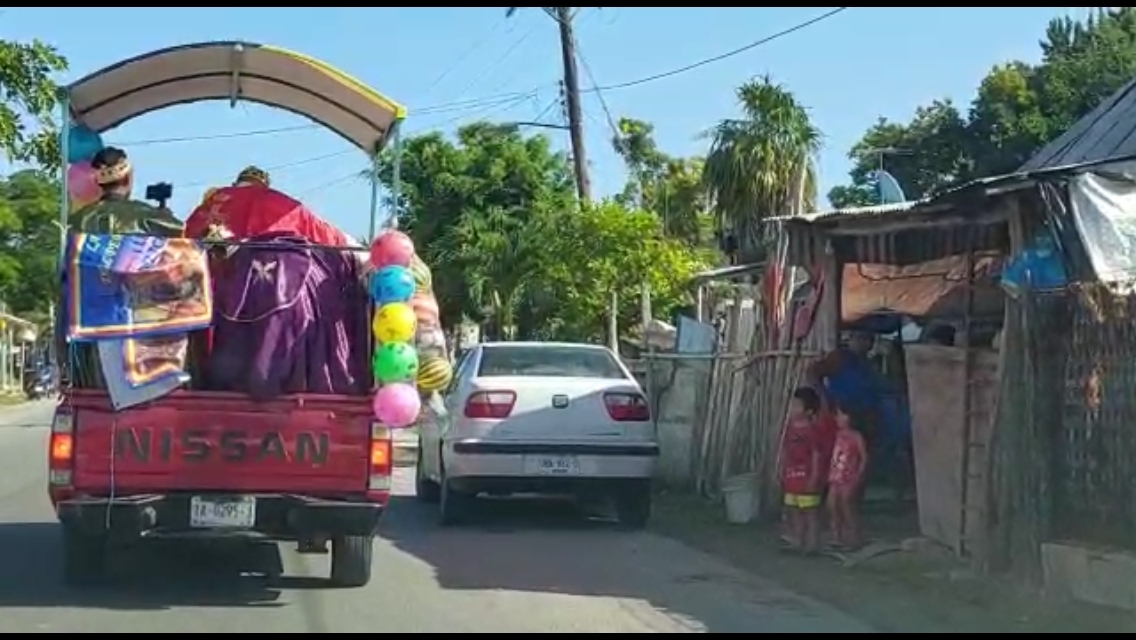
<point>887,187</point>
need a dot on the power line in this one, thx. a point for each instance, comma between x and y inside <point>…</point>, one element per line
<point>468,52</point>
<point>504,98</point>
<point>471,104</point>
<point>723,56</point>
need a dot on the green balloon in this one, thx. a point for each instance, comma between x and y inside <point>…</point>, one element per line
<point>395,362</point>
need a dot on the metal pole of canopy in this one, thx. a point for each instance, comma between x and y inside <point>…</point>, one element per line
<point>376,164</point>
<point>64,207</point>
<point>64,149</point>
<point>396,175</point>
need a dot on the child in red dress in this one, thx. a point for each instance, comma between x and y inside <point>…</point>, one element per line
<point>802,471</point>
<point>845,475</point>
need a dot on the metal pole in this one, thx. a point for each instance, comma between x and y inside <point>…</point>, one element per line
<point>64,149</point>
<point>374,197</point>
<point>396,175</point>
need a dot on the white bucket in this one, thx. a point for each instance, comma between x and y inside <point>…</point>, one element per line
<point>743,500</point>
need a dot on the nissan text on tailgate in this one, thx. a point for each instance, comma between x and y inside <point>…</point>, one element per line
<point>304,469</point>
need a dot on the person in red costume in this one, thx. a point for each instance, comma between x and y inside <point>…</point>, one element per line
<point>251,207</point>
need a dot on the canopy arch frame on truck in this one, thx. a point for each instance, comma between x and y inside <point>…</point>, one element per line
<point>234,71</point>
<point>239,71</point>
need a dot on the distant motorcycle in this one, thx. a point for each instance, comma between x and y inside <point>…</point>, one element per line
<point>41,386</point>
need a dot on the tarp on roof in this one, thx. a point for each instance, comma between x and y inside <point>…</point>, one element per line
<point>928,289</point>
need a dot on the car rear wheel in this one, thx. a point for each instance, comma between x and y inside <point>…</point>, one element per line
<point>84,557</point>
<point>351,559</point>
<point>633,506</point>
<point>454,505</point>
<point>425,489</point>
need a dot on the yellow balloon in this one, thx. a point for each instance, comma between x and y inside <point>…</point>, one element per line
<point>434,374</point>
<point>394,322</point>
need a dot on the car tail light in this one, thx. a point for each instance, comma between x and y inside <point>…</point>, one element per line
<point>380,458</point>
<point>627,407</point>
<point>491,405</point>
<point>61,449</point>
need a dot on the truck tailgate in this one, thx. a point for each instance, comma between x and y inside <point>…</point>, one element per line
<point>207,441</point>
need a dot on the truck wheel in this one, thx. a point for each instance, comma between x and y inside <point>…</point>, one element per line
<point>84,557</point>
<point>633,506</point>
<point>351,558</point>
<point>425,489</point>
<point>454,506</point>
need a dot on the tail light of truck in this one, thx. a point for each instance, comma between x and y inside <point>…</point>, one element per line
<point>627,407</point>
<point>61,449</point>
<point>380,459</point>
<point>490,405</point>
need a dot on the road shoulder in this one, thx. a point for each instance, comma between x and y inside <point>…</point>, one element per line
<point>916,589</point>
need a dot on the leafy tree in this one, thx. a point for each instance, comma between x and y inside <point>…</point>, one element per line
<point>27,112</point>
<point>669,186</point>
<point>477,208</point>
<point>494,214</point>
<point>762,164</point>
<point>29,235</point>
<point>1018,108</point>
<point>606,248</point>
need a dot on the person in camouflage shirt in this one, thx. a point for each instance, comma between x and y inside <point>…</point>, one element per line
<point>115,212</point>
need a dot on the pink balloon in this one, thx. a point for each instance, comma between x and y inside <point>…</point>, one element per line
<point>397,405</point>
<point>81,185</point>
<point>392,248</point>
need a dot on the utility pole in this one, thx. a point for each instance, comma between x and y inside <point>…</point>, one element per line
<point>572,95</point>
<point>563,17</point>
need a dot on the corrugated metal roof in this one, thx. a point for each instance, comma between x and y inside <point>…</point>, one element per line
<point>1106,133</point>
<point>854,212</point>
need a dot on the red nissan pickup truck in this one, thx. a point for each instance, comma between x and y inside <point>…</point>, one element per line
<point>305,468</point>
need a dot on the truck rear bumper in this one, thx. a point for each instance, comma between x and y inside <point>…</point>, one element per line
<point>278,516</point>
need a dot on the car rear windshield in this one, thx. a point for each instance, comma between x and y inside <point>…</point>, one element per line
<point>553,361</point>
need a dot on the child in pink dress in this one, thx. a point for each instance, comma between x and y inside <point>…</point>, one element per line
<point>845,475</point>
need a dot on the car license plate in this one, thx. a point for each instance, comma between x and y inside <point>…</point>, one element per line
<point>552,465</point>
<point>212,513</point>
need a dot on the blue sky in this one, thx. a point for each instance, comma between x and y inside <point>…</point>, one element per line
<point>451,66</point>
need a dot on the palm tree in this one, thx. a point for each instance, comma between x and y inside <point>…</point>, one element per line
<point>762,165</point>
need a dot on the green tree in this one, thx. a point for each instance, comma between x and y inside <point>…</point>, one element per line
<point>478,208</point>
<point>607,248</point>
<point>27,113</point>
<point>29,232</point>
<point>668,186</point>
<point>1018,108</point>
<point>762,164</point>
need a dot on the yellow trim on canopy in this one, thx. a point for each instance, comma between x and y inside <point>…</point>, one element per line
<point>236,71</point>
<point>345,78</point>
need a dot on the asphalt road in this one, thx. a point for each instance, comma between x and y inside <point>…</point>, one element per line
<point>522,567</point>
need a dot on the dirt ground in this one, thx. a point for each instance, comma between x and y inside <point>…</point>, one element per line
<point>917,588</point>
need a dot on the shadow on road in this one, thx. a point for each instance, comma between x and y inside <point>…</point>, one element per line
<point>553,547</point>
<point>151,577</point>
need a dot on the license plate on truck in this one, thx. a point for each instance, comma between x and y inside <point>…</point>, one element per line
<point>552,465</point>
<point>207,512</point>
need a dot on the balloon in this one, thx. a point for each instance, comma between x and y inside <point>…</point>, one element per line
<point>394,362</point>
<point>427,337</point>
<point>391,247</point>
<point>396,405</point>
<point>82,144</point>
<point>81,185</point>
<point>425,310</point>
<point>434,374</point>
<point>391,284</point>
<point>394,322</point>
<point>423,280</point>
